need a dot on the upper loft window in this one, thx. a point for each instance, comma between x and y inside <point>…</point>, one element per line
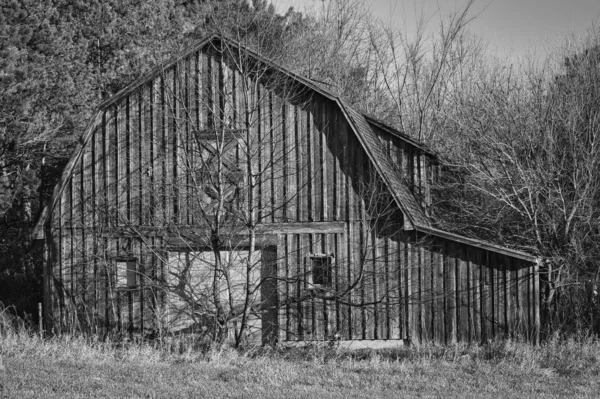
<point>126,273</point>
<point>321,273</point>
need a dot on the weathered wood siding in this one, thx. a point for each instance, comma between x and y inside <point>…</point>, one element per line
<point>419,168</point>
<point>135,185</point>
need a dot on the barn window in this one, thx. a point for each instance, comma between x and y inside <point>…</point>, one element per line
<point>126,273</point>
<point>321,270</point>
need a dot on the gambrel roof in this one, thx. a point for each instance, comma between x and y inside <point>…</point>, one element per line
<point>361,125</point>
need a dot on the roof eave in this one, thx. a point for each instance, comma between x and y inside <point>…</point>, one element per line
<point>477,243</point>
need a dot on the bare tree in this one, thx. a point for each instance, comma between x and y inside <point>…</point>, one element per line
<point>526,171</point>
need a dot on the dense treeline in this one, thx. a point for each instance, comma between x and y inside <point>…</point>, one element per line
<point>519,144</point>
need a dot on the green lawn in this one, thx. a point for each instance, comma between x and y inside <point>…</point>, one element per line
<point>66,368</point>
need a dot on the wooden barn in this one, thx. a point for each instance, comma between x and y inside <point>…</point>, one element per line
<point>223,195</point>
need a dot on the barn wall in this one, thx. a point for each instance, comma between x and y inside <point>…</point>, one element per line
<point>137,183</point>
<point>137,175</point>
<point>410,287</point>
<point>418,168</point>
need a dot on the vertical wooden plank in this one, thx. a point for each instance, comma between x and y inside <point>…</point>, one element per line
<point>304,317</point>
<point>392,270</point>
<point>125,159</point>
<point>523,304</point>
<point>390,280</point>
<point>270,325</point>
<point>301,173</point>
<point>505,296</point>
<point>87,225</point>
<point>465,304</point>
<point>153,299</point>
<point>216,83</point>
<point>354,315</point>
<point>316,160</point>
<point>383,287</point>
<point>531,304</point>
<point>152,171</point>
<point>207,119</point>
<point>121,163</point>
<point>327,184</point>
<point>137,158</point>
<point>424,266</point>
<point>424,186</point>
<point>474,257</point>
<point>404,275</point>
<point>376,292</point>
<point>333,160</point>
<point>188,114</point>
<point>490,302</point>
<point>100,283</point>
<point>263,155</point>
<point>406,315</point>
<point>296,329</point>
<point>328,306</point>
<point>64,260</point>
<point>313,304</point>
<point>145,168</point>
<point>79,256</point>
<point>338,268</point>
<point>502,296</point>
<point>111,299</point>
<point>370,316</point>
<point>450,293</point>
<point>288,327</point>
<point>147,315</point>
<point>484,274</point>
<point>440,261</point>
<point>414,293</point>
<point>342,156</point>
<point>171,142</point>
<point>517,286</point>
<point>278,159</point>
<point>144,281</point>
<point>183,123</point>
<point>512,302</point>
<point>290,156</point>
<point>428,294</point>
<point>136,308</point>
<point>195,125</point>
<point>349,278</point>
<point>360,315</point>
<point>311,133</point>
<point>496,262</point>
<point>270,157</point>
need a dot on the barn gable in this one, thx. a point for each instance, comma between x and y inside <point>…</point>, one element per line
<point>130,222</point>
<point>357,121</point>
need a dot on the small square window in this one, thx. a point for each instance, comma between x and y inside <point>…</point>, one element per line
<point>126,273</point>
<point>321,270</point>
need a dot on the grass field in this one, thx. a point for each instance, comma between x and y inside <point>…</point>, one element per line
<point>68,367</point>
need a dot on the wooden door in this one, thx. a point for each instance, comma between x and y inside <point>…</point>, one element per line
<point>193,278</point>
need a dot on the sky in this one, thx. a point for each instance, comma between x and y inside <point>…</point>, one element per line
<point>512,28</point>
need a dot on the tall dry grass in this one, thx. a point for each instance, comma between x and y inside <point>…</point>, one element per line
<point>575,356</point>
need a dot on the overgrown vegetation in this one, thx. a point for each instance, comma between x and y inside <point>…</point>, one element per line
<point>71,366</point>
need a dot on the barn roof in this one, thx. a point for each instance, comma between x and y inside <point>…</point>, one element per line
<point>361,125</point>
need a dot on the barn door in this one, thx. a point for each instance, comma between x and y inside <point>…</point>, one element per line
<point>191,286</point>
